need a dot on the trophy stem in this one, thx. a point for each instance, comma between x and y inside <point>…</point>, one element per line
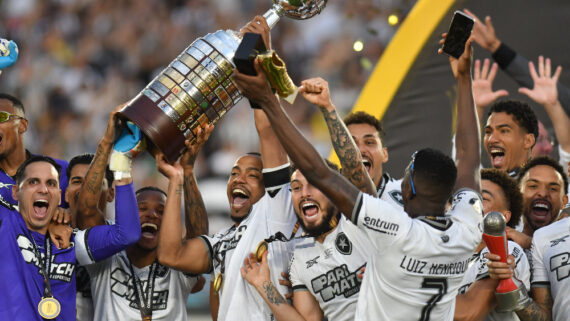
<point>272,16</point>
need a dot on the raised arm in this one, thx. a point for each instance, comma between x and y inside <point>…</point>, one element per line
<point>510,61</point>
<point>301,152</point>
<point>87,212</point>
<point>195,216</point>
<point>189,255</point>
<point>316,91</point>
<point>545,92</point>
<point>467,137</point>
<point>102,241</point>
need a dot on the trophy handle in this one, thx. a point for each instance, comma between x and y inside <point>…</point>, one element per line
<point>273,15</point>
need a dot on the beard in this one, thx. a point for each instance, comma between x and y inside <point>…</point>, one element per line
<point>325,225</point>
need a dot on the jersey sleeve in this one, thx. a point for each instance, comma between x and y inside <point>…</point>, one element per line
<point>294,275</point>
<point>539,272</point>
<point>277,203</point>
<point>99,242</point>
<point>382,222</point>
<point>211,243</point>
<point>467,208</point>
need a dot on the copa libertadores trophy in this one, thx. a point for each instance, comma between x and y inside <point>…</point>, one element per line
<point>195,88</point>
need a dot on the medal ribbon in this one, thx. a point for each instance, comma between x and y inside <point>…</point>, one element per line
<point>44,264</point>
<point>144,299</point>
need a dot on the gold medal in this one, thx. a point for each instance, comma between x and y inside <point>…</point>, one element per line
<point>261,248</point>
<point>49,308</point>
<point>147,318</point>
<point>218,282</point>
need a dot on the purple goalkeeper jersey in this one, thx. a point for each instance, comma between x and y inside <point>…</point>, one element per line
<point>21,284</point>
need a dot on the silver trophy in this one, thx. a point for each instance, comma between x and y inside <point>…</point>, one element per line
<point>195,89</point>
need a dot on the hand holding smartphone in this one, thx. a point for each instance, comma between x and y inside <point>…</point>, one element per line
<point>459,31</point>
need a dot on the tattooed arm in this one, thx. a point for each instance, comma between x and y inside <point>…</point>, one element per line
<point>189,255</point>
<point>540,308</point>
<point>259,275</point>
<point>339,190</point>
<point>89,211</point>
<point>316,91</point>
<point>195,217</point>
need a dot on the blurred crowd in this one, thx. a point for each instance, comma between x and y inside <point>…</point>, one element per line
<point>80,58</point>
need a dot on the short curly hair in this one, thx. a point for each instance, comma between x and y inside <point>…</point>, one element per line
<point>548,161</point>
<point>361,117</point>
<point>521,112</point>
<point>331,165</point>
<point>510,188</point>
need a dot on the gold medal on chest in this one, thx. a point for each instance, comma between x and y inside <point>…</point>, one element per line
<point>260,249</point>
<point>49,308</point>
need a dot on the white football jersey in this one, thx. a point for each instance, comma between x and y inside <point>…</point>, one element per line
<point>271,214</point>
<point>416,265</point>
<point>114,296</point>
<point>390,190</point>
<point>551,265</point>
<point>329,270</point>
<point>478,270</point>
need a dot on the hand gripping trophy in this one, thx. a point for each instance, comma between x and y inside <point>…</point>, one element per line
<point>509,296</point>
<point>195,88</point>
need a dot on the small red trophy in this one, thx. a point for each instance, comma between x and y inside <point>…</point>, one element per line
<point>509,296</point>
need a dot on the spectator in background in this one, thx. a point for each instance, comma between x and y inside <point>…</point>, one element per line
<point>13,125</point>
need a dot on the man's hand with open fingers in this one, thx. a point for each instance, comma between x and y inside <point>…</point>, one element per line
<point>259,25</point>
<point>165,168</point>
<point>189,156</point>
<point>256,273</point>
<point>483,78</point>
<point>484,33</point>
<point>316,91</point>
<point>545,91</point>
<point>62,216</point>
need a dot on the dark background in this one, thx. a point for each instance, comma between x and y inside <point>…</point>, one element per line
<point>422,111</point>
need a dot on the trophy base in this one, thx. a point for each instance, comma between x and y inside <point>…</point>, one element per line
<point>513,300</point>
<point>150,119</point>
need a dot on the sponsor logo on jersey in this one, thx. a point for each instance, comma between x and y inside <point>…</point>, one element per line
<point>221,247</point>
<point>381,226</point>
<point>6,185</point>
<point>337,281</point>
<point>558,241</point>
<point>312,262</point>
<point>397,196</point>
<point>123,286</point>
<point>343,244</point>
<point>561,264</point>
<point>62,271</point>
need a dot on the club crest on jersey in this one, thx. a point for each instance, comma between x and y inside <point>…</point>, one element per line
<point>62,271</point>
<point>558,241</point>
<point>397,196</point>
<point>337,281</point>
<point>343,244</point>
<point>561,263</point>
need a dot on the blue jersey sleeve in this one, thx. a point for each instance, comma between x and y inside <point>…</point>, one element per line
<point>100,242</point>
